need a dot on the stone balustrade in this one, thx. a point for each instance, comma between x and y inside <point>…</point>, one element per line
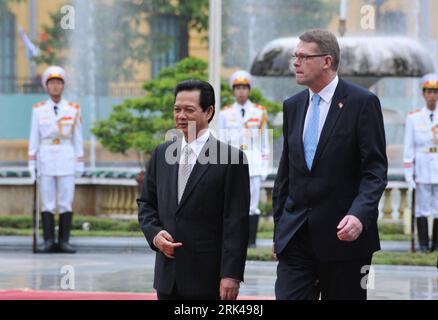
<point>114,193</point>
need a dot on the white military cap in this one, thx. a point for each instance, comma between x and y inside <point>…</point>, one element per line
<point>240,77</point>
<point>430,81</point>
<point>53,72</point>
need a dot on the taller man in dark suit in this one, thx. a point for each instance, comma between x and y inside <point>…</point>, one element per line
<point>331,176</point>
<point>194,204</point>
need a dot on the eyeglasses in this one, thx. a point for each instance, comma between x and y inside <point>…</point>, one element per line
<point>303,58</point>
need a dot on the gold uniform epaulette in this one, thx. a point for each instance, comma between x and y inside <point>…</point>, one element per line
<point>415,111</point>
<point>74,105</point>
<point>260,107</point>
<point>39,104</point>
<point>225,108</point>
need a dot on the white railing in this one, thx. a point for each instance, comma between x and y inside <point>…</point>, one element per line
<point>116,196</point>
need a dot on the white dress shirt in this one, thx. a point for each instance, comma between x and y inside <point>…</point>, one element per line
<point>196,145</point>
<point>326,95</point>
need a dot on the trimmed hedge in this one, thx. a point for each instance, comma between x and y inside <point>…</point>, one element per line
<point>95,223</point>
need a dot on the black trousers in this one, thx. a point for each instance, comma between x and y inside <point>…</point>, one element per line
<point>300,276</point>
<point>175,295</point>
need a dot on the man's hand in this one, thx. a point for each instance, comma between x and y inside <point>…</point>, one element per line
<point>274,254</point>
<point>349,228</point>
<point>165,243</point>
<point>229,289</point>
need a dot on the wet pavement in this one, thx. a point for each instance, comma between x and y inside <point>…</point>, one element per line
<point>132,271</point>
<point>138,244</point>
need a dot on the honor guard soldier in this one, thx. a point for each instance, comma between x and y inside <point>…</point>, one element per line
<point>421,161</point>
<point>244,125</point>
<point>56,156</point>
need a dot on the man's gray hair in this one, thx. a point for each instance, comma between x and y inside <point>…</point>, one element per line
<point>326,42</point>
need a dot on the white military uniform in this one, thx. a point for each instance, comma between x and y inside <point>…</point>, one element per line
<point>421,159</point>
<point>56,149</point>
<point>250,134</point>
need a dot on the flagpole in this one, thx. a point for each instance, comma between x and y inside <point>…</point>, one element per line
<point>214,57</point>
<point>33,4</point>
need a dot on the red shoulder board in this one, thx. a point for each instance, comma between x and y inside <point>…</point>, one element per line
<point>415,111</point>
<point>260,107</point>
<point>39,104</point>
<point>74,105</point>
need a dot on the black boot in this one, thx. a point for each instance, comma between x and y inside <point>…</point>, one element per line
<point>423,234</point>
<point>64,232</point>
<point>253,227</point>
<point>48,221</point>
<point>434,246</point>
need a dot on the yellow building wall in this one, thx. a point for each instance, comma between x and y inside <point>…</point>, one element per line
<point>433,19</point>
<point>354,15</point>
<point>21,10</point>
<point>197,46</point>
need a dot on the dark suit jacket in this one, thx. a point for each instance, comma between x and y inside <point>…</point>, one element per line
<point>348,175</point>
<point>211,220</point>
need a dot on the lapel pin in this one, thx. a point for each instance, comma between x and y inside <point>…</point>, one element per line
<point>340,105</point>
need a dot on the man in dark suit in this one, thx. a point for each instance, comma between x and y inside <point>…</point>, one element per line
<point>194,203</point>
<point>332,173</point>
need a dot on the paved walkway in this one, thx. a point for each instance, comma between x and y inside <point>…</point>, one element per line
<point>133,272</point>
<point>106,244</point>
<point>124,264</point>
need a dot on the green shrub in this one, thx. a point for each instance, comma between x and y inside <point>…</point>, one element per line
<point>133,226</point>
<point>391,228</point>
<point>96,223</point>
<point>266,209</point>
<point>16,222</point>
<point>265,225</point>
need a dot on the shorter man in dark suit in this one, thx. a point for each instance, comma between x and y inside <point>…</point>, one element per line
<point>194,203</point>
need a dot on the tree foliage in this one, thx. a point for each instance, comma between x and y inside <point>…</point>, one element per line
<point>52,42</point>
<point>4,5</point>
<point>140,124</point>
<point>123,40</point>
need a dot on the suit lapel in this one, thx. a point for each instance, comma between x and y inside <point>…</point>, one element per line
<point>173,177</point>
<point>196,174</point>
<point>303,105</point>
<point>330,122</point>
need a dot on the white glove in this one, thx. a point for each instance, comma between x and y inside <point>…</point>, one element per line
<point>411,184</point>
<point>409,177</point>
<point>31,168</point>
<point>79,169</point>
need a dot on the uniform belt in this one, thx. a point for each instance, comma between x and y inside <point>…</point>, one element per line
<point>429,150</point>
<point>56,141</point>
